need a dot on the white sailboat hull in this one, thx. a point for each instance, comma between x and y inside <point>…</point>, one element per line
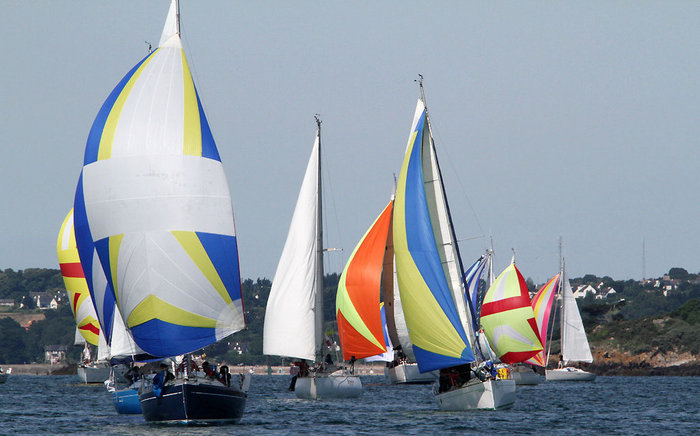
<point>569,374</point>
<point>408,373</point>
<point>488,395</point>
<point>525,376</point>
<point>328,386</point>
<point>93,374</point>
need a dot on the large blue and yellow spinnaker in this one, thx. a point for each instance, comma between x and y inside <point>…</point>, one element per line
<point>154,199</point>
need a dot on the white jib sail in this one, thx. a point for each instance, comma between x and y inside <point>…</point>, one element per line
<point>574,341</point>
<point>290,315</point>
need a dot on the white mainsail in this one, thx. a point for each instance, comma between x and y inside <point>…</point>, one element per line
<point>574,343</point>
<point>290,318</point>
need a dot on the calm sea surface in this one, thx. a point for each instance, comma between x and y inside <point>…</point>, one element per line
<point>610,405</point>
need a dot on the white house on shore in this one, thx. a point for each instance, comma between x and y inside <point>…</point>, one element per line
<point>583,290</point>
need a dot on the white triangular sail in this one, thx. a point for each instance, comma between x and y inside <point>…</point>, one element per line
<point>171,24</point>
<point>574,341</point>
<point>290,317</point>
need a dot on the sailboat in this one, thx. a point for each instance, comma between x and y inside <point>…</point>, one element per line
<point>401,366</point>
<point>153,203</point>
<point>430,278</point>
<point>4,375</point>
<point>294,313</point>
<point>88,331</point>
<point>509,323</point>
<point>574,343</point>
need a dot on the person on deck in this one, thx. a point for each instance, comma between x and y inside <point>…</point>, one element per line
<point>209,371</point>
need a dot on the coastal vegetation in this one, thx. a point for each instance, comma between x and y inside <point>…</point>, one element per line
<point>651,317</point>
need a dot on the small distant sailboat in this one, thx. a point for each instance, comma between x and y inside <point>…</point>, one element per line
<point>574,343</point>
<point>509,323</point>
<point>294,314</point>
<point>4,375</point>
<point>88,331</point>
<point>431,281</point>
<point>153,209</point>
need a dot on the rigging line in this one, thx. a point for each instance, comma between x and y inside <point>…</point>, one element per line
<point>326,193</point>
<point>459,180</point>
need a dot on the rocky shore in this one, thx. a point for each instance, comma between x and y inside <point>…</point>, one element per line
<point>614,362</point>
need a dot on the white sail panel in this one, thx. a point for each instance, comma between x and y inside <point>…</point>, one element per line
<point>290,316</point>
<point>400,323</point>
<point>574,346</point>
<point>170,27</point>
<point>123,344</point>
<point>435,196</point>
<point>124,195</point>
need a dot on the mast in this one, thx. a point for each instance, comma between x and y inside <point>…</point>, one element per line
<point>559,307</point>
<point>319,253</point>
<point>470,325</point>
<point>177,16</point>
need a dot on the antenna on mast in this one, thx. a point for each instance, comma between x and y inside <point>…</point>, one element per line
<point>422,91</point>
<point>561,259</point>
<point>644,259</point>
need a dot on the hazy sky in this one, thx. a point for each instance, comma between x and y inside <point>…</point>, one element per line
<point>562,118</point>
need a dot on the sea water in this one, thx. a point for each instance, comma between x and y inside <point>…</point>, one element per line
<point>609,405</point>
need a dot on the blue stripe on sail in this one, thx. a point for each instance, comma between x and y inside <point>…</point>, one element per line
<point>473,277</point>
<point>93,142</point>
<point>160,338</point>
<point>83,236</point>
<point>428,361</point>
<point>86,248</point>
<point>420,237</point>
<point>223,253</point>
<point>108,303</point>
<point>209,149</point>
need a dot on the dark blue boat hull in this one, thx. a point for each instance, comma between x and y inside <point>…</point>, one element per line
<point>193,403</point>
<point>126,402</point>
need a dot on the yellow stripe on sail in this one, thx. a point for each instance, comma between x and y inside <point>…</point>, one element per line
<point>350,313</point>
<point>115,243</point>
<point>153,307</point>
<point>192,135</point>
<point>88,335</point>
<point>110,127</point>
<point>193,247</point>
